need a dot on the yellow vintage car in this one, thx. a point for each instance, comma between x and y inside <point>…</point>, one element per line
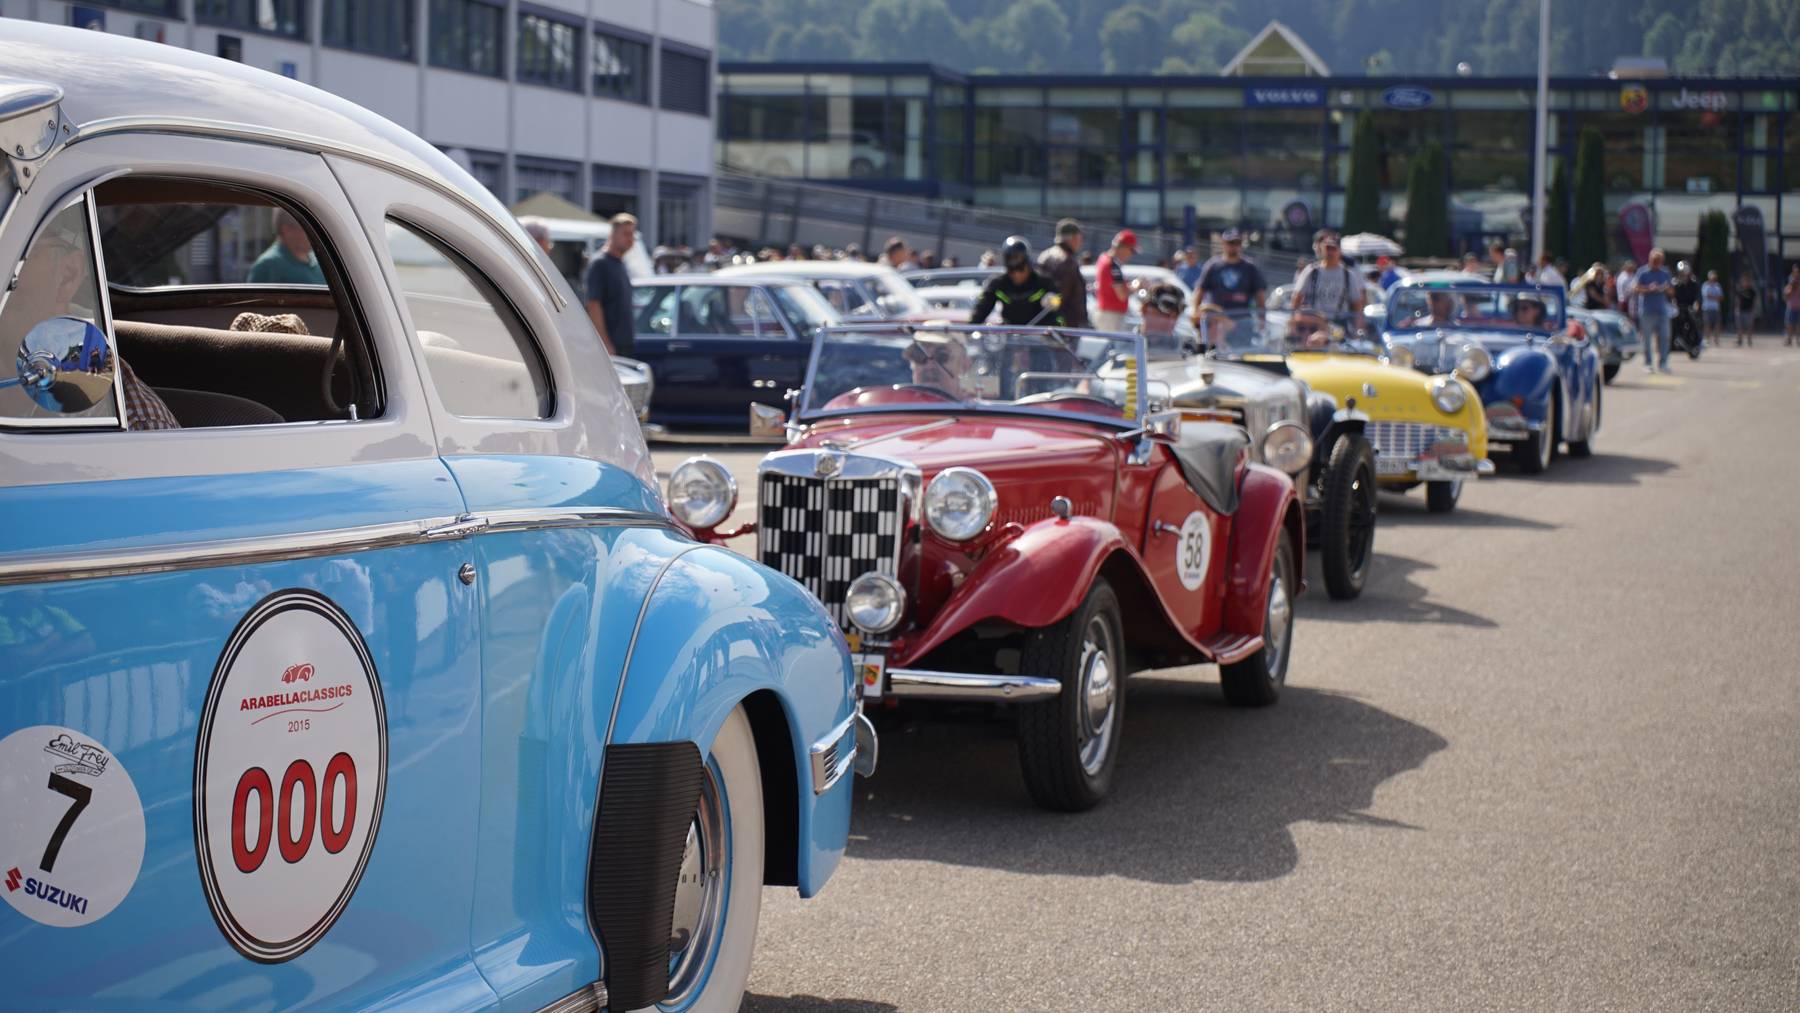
<point>1426,430</point>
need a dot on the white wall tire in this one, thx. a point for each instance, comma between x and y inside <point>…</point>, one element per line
<point>717,984</point>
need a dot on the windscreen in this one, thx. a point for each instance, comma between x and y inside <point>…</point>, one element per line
<point>889,368</point>
<point>1488,309</point>
<point>1249,333</point>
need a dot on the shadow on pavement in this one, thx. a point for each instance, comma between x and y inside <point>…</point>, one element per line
<point>754,1003</point>
<point>1201,791</point>
<point>1392,595</point>
<point>1601,469</point>
<point>1411,511</point>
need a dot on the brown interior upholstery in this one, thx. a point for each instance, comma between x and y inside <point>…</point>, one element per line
<point>280,372</point>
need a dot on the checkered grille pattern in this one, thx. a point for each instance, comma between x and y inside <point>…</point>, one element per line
<point>826,533</point>
<point>1408,440</point>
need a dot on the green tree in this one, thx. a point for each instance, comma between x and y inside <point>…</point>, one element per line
<point>1556,213</point>
<point>1427,205</point>
<point>1132,40</point>
<point>1031,35</point>
<point>1362,201</point>
<point>1587,235</point>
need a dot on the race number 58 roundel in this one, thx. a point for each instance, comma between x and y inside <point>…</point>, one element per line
<point>289,774</point>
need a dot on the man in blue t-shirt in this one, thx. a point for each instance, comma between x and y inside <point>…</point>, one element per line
<point>608,286</point>
<point>1652,287</point>
<point>1230,281</point>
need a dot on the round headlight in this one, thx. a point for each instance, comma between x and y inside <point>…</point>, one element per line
<point>1287,447</point>
<point>1400,355</point>
<point>1474,363</point>
<point>959,503</point>
<point>702,492</point>
<point>1448,395</point>
<point>875,602</point>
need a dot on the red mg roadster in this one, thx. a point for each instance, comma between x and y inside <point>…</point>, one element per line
<point>1007,515</point>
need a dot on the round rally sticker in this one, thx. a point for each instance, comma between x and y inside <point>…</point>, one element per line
<point>71,826</point>
<point>289,773</point>
<point>1194,550</point>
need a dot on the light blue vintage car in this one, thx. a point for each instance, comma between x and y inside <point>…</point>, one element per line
<point>348,655</point>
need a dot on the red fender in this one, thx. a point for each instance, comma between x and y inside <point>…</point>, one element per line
<point>1267,506</point>
<point>1031,581</point>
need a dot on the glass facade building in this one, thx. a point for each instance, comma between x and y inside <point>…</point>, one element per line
<point>1270,154</point>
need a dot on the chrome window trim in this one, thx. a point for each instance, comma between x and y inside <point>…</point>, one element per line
<point>63,566</point>
<point>120,419</point>
<point>320,146</point>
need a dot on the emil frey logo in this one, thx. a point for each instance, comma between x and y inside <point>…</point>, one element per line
<point>298,673</point>
<point>84,757</point>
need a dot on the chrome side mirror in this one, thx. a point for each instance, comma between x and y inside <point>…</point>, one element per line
<point>767,422</point>
<point>65,365</point>
<point>1162,427</point>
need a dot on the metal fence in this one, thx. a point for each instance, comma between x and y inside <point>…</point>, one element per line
<point>770,211</point>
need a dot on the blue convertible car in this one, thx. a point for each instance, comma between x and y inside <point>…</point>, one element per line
<point>1539,383</point>
<point>348,655</point>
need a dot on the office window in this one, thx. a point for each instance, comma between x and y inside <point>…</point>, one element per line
<point>621,68</point>
<point>678,210</point>
<point>161,8</point>
<point>278,17</point>
<point>614,189</point>
<point>466,35</point>
<point>369,26</point>
<point>686,82</point>
<point>543,175</point>
<point>549,52</point>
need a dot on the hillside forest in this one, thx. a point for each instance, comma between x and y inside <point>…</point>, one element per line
<point>1493,37</point>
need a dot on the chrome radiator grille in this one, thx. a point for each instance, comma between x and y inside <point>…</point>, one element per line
<point>825,533</point>
<point>1409,440</point>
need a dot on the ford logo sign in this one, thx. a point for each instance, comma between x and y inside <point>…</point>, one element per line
<point>1407,97</point>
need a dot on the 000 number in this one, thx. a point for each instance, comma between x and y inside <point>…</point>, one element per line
<point>275,822</point>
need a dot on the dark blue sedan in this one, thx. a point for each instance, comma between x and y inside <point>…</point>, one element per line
<point>718,344</point>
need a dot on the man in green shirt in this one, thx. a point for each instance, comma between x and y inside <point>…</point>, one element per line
<point>289,259</point>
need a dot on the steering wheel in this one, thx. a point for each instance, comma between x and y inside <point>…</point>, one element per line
<point>1050,396</point>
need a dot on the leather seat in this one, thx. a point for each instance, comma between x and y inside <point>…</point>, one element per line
<point>1208,454</point>
<point>278,371</point>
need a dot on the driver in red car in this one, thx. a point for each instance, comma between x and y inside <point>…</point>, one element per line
<point>939,361</point>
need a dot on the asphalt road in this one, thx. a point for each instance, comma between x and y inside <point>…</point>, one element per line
<point>1550,759</point>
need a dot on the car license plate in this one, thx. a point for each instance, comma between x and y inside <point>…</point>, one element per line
<point>1386,465</point>
<point>869,671</point>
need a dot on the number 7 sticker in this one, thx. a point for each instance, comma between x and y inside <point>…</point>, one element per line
<point>73,838</point>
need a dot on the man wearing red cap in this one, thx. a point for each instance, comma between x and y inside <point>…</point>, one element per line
<point>1112,294</point>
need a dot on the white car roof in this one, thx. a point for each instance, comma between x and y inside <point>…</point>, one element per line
<point>810,269</point>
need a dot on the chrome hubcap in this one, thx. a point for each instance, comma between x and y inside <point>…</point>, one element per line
<point>1275,629</point>
<point>699,914</point>
<point>1098,688</point>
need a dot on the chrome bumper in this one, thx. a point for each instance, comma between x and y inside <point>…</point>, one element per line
<point>849,746</point>
<point>912,684</point>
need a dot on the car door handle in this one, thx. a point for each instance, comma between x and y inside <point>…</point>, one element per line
<point>680,346</point>
<point>462,527</point>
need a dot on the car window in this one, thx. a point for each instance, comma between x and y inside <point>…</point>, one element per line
<point>54,322</point>
<point>229,305</point>
<point>654,309</point>
<point>806,309</point>
<point>846,297</point>
<point>752,314</point>
<point>478,353</point>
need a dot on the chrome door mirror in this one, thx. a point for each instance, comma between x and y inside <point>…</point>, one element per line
<point>767,422</point>
<point>1162,427</point>
<point>65,365</point>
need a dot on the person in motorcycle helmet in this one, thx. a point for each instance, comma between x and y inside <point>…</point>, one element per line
<point>1023,295</point>
<point>1687,288</point>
